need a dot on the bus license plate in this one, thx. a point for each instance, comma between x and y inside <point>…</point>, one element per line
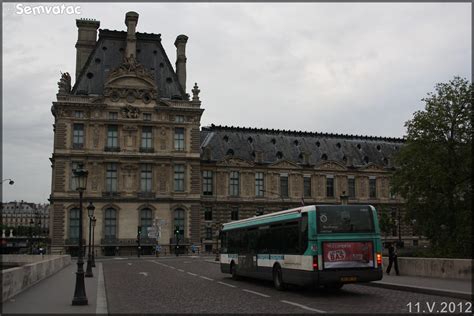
<point>349,279</point>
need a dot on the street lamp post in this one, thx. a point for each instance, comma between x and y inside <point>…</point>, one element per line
<point>90,211</point>
<point>31,235</point>
<point>80,298</point>
<point>93,241</point>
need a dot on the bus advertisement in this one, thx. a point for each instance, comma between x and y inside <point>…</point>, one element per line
<point>317,245</point>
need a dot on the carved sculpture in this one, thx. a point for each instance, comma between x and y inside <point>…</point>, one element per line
<point>130,111</point>
<point>64,84</point>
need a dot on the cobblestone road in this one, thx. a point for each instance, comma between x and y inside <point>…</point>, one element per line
<point>193,285</point>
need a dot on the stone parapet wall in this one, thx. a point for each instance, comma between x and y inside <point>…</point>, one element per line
<point>434,267</point>
<point>32,269</point>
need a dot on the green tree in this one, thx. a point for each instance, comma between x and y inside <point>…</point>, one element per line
<point>385,222</point>
<point>435,167</point>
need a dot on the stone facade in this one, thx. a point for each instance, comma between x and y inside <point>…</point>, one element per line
<point>129,120</point>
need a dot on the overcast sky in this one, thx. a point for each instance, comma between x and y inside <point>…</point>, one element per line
<point>344,68</point>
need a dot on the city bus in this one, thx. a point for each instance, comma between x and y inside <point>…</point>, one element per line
<point>317,245</point>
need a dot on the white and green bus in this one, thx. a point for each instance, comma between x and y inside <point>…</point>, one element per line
<point>317,245</point>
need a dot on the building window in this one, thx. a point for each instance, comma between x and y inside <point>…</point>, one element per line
<point>329,186</point>
<point>372,187</point>
<point>307,186</point>
<point>179,138</point>
<point>147,138</point>
<point>179,178</point>
<point>79,114</point>
<point>145,178</point>
<point>113,116</point>
<point>74,223</point>
<point>110,224</point>
<point>351,187</point>
<point>179,220</point>
<point>208,214</point>
<point>111,178</point>
<point>207,182</point>
<point>112,137</point>
<point>78,136</point>
<point>259,211</point>
<point>146,220</point>
<point>147,116</point>
<point>234,183</point>
<point>208,233</point>
<point>179,119</point>
<point>259,184</point>
<point>234,214</point>
<point>284,185</point>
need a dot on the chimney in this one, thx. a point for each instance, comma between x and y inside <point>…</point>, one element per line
<point>131,20</point>
<point>86,40</point>
<point>180,44</point>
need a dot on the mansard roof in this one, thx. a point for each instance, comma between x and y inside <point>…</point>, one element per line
<point>352,151</point>
<point>108,54</point>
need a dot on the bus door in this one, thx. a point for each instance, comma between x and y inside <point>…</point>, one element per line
<point>248,255</point>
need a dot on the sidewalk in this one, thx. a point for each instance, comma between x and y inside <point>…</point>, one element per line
<point>54,295</point>
<point>437,286</point>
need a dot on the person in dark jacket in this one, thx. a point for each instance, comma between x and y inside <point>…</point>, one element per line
<point>392,259</point>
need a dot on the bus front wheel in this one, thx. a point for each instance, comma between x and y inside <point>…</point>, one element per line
<point>233,271</point>
<point>278,278</point>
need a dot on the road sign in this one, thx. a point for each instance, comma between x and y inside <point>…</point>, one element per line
<point>152,232</point>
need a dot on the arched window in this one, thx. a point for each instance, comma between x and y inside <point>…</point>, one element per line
<point>110,224</point>
<point>146,220</point>
<point>74,223</point>
<point>179,220</point>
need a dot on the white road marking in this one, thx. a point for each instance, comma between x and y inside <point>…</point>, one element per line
<point>192,274</point>
<point>180,270</point>
<point>101,305</point>
<point>229,285</point>
<point>129,263</point>
<point>119,258</point>
<point>256,293</point>
<point>172,267</point>
<point>304,307</point>
<point>206,278</point>
<point>144,273</point>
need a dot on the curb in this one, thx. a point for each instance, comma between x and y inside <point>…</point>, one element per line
<point>420,289</point>
<point>213,261</point>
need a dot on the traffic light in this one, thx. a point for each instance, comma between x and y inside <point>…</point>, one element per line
<point>139,231</point>
<point>176,230</point>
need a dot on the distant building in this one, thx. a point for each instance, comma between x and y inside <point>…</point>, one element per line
<point>129,119</point>
<point>24,214</point>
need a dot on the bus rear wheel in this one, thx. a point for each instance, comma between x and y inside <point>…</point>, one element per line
<point>233,271</point>
<point>278,279</point>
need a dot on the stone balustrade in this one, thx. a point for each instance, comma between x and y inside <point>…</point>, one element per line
<point>30,270</point>
<point>445,268</point>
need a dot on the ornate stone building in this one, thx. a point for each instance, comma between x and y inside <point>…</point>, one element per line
<point>129,120</point>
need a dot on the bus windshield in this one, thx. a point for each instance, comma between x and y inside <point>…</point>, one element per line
<point>345,220</point>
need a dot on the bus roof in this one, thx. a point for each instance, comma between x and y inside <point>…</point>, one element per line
<point>281,215</point>
<point>255,220</point>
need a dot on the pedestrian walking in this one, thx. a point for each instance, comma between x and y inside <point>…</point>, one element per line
<point>392,259</point>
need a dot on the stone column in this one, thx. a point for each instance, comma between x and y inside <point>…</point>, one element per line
<point>180,44</point>
<point>131,20</point>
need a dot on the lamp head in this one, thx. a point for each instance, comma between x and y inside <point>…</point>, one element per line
<point>90,209</point>
<point>80,177</point>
